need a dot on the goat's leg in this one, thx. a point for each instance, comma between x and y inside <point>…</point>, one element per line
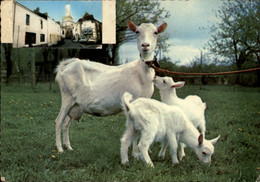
<point>66,139</point>
<point>174,146</point>
<point>66,105</point>
<point>143,146</point>
<point>135,148</point>
<point>163,148</point>
<point>181,151</point>
<point>126,141</point>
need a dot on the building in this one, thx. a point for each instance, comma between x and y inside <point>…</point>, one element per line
<point>54,31</point>
<point>88,27</point>
<point>32,28</point>
<point>68,24</point>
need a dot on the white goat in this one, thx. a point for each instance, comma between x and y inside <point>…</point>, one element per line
<point>96,88</point>
<point>192,106</point>
<point>155,120</point>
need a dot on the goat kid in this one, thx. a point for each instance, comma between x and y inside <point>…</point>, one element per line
<point>155,120</point>
<point>192,106</point>
<point>96,88</point>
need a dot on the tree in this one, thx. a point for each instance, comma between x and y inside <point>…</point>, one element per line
<point>236,36</point>
<point>138,12</point>
<point>162,45</point>
<point>37,11</point>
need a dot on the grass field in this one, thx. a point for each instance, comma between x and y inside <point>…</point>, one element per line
<point>28,150</point>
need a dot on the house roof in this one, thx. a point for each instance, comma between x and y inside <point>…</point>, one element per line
<point>43,15</point>
<point>87,17</point>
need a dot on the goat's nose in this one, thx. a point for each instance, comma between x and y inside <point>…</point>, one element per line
<point>145,44</point>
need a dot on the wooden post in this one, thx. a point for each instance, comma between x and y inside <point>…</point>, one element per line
<point>33,80</point>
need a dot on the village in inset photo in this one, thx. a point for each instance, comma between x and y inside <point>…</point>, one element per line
<point>59,24</point>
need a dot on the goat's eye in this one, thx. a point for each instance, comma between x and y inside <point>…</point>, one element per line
<point>137,32</point>
<point>164,81</point>
<point>156,33</point>
<point>204,153</point>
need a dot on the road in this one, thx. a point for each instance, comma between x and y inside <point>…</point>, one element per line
<point>68,43</point>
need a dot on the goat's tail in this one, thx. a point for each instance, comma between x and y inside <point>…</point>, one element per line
<point>64,63</point>
<point>126,99</point>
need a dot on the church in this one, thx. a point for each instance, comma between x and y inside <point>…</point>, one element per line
<point>68,24</point>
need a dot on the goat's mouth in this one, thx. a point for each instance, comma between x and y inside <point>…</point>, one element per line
<point>145,49</point>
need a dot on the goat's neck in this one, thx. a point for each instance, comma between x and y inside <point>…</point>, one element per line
<point>190,136</point>
<point>147,56</point>
<point>169,96</point>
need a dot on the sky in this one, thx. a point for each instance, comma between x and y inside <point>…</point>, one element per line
<point>187,38</point>
<point>56,9</point>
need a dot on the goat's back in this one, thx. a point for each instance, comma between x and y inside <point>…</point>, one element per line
<point>150,112</point>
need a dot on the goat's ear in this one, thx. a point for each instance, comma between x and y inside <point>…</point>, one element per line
<point>215,140</point>
<point>131,26</point>
<point>162,27</point>
<point>178,84</point>
<point>200,139</point>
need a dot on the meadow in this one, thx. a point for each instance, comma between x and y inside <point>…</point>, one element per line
<point>28,150</point>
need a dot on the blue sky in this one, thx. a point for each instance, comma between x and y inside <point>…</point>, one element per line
<point>187,38</point>
<point>56,9</point>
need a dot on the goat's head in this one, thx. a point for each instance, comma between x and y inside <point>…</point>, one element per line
<point>205,148</point>
<point>167,83</point>
<point>147,37</point>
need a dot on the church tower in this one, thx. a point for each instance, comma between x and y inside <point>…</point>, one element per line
<point>67,23</point>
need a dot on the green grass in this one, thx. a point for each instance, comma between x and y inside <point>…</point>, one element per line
<point>28,150</point>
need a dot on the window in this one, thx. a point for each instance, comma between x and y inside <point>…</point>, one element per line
<point>42,38</point>
<point>41,24</point>
<point>27,19</point>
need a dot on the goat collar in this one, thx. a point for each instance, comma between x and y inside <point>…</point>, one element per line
<point>153,62</point>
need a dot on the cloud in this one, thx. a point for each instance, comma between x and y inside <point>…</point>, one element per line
<point>128,52</point>
<point>184,54</point>
<point>188,17</point>
<point>184,50</point>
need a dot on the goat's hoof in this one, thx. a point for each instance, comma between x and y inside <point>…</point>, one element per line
<point>161,155</point>
<point>175,163</point>
<point>124,162</point>
<point>136,155</point>
<point>151,165</point>
<point>69,148</point>
<point>60,150</point>
<point>181,156</point>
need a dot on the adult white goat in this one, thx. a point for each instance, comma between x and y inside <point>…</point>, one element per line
<point>96,88</point>
<point>192,106</point>
<point>155,120</point>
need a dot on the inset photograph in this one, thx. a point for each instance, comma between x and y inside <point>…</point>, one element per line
<point>60,24</point>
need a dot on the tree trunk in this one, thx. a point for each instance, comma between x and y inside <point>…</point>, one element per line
<point>115,50</point>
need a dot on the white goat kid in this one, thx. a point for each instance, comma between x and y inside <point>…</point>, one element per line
<point>192,106</point>
<point>155,120</point>
<point>96,88</point>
